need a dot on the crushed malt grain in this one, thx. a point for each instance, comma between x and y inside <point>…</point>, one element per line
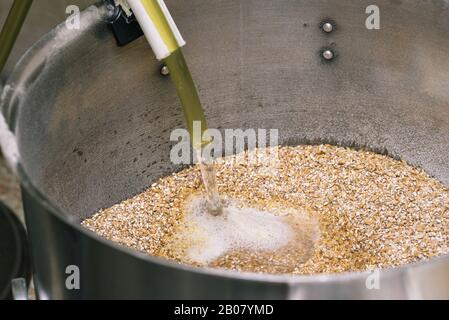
<point>372,211</point>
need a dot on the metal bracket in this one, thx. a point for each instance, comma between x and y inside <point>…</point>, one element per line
<point>125,27</point>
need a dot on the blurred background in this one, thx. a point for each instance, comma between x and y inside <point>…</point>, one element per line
<point>43,16</point>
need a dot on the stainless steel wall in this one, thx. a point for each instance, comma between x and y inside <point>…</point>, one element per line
<point>43,16</point>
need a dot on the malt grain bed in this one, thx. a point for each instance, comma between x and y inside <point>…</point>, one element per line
<point>373,211</point>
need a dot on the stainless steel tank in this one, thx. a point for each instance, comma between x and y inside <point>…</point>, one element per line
<point>81,110</point>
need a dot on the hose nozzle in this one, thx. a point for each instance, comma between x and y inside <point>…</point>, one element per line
<point>158,26</point>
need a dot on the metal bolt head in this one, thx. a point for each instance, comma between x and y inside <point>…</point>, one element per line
<point>328,54</point>
<point>164,71</point>
<point>328,27</point>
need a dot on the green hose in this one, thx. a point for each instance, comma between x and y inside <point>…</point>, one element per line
<point>190,101</point>
<point>11,28</point>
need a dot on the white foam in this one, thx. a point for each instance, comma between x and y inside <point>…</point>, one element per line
<point>238,228</point>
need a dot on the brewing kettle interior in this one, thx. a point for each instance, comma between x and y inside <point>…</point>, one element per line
<point>93,123</point>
